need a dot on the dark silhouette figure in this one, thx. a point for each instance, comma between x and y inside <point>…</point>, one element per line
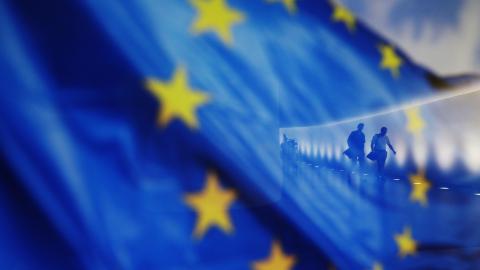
<point>289,153</point>
<point>356,145</point>
<point>379,148</point>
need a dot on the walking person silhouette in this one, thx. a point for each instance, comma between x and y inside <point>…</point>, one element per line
<point>379,148</point>
<point>356,145</point>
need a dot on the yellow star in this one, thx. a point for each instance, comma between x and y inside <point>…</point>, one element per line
<point>405,243</point>
<point>415,123</point>
<point>390,59</point>
<point>216,16</point>
<point>211,205</point>
<point>420,187</point>
<point>276,261</point>
<point>177,99</point>
<point>290,5</point>
<point>342,14</point>
<point>377,266</point>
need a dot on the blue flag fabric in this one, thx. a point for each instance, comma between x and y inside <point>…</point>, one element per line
<point>145,135</point>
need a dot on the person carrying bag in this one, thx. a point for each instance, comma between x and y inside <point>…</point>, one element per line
<point>379,148</point>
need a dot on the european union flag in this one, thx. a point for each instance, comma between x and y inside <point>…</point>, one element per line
<point>208,134</point>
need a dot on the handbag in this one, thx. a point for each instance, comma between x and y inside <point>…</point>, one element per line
<point>372,155</point>
<point>349,153</point>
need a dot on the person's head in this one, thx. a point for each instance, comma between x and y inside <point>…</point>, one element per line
<point>360,126</point>
<point>383,131</point>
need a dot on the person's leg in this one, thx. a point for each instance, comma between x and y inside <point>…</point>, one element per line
<point>361,160</point>
<point>380,164</point>
<point>354,160</point>
<point>382,157</point>
<point>378,160</point>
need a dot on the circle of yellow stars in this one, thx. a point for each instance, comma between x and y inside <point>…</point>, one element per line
<point>179,101</point>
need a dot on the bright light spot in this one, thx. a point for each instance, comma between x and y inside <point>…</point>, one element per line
<point>419,151</point>
<point>338,152</point>
<point>322,150</point>
<point>444,151</point>
<point>308,149</point>
<point>471,150</point>
<point>329,151</point>
<point>401,155</point>
<point>315,150</point>
<point>444,188</point>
